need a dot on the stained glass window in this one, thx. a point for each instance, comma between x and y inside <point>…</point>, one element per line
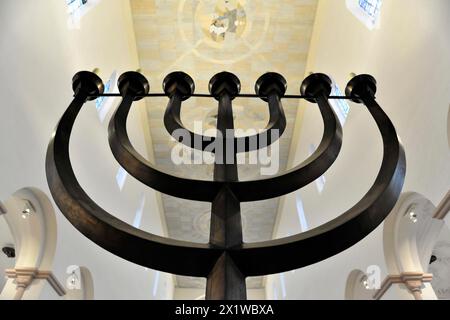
<point>104,104</point>
<point>340,106</point>
<point>367,11</point>
<point>75,4</point>
<point>77,9</point>
<point>371,7</point>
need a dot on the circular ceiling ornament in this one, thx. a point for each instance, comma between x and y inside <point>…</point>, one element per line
<point>226,23</point>
<point>223,31</point>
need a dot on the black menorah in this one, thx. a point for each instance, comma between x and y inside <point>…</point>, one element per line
<point>226,260</point>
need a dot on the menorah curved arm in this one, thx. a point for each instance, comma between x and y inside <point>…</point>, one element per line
<point>179,86</point>
<point>341,233</point>
<point>144,171</point>
<point>176,128</point>
<point>276,124</point>
<point>304,173</point>
<point>202,190</point>
<point>110,233</point>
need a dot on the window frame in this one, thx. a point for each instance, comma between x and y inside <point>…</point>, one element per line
<point>77,9</point>
<point>370,21</point>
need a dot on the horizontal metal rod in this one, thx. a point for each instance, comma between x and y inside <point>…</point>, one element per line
<point>205,95</point>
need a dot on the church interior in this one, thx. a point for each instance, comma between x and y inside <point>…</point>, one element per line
<point>48,251</point>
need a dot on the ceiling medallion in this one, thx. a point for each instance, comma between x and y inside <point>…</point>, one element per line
<point>225,261</point>
<point>228,21</point>
<point>223,31</point>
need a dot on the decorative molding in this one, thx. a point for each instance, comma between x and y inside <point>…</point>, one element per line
<point>412,280</point>
<point>25,276</point>
<point>443,208</point>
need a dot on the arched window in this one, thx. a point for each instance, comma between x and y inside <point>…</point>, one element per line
<point>301,213</point>
<point>75,4</point>
<point>367,11</point>
<point>139,212</point>
<point>156,283</point>
<point>340,106</point>
<point>104,104</point>
<point>121,177</point>
<point>77,9</point>
<point>320,182</point>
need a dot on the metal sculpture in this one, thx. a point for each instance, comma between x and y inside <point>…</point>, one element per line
<point>226,260</point>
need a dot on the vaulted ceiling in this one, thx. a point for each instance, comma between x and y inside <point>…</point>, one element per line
<point>203,38</point>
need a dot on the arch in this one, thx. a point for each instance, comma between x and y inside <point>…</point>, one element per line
<point>439,265</point>
<point>355,288</point>
<point>77,9</point>
<point>6,241</point>
<point>409,234</point>
<point>31,219</point>
<point>82,287</point>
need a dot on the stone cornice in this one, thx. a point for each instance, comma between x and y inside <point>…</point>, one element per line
<point>412,280</point>
<point>25,276</point>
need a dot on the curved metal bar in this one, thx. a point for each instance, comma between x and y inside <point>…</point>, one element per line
<point>277,121</point>
<point>304,173</point>
<point>108,232</point>
<point>202,190</point>
<point>143,170</point>
<point>346,230</point>
<point>174,125</point>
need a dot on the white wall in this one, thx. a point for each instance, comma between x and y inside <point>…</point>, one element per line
<point>39,56</point>
<point>6,238</point>
<point>410,58</point>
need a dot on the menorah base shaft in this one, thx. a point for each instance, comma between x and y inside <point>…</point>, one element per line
<point>226,282</point>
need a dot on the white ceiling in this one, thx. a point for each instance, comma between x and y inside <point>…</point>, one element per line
<point>270,35</point>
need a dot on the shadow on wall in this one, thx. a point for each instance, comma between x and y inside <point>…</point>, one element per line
<point>448,127</point>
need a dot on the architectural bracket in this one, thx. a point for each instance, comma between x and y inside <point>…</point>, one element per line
<point>25,276</point>
<point>414,281</point>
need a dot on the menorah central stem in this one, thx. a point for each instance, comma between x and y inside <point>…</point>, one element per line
<point>225,168</point>
<point>225,281</point>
